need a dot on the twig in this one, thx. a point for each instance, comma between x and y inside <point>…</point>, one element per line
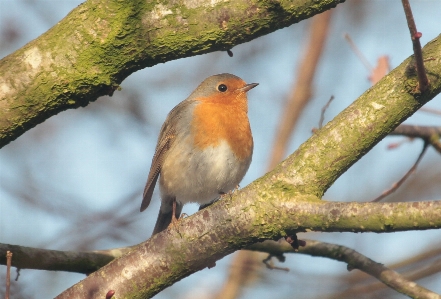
<point>322,115</point>
<point>380,70</point>
<point>396,185</point>
<point>428,133</point>
<point>43,259</point>
<point>270,265</point>
<point>358,53</point>
<point>415,36</point>
<point>424,132</point>
<point>8,273</point>
<point>435,143</point>
<point>302,89</point>
<point>375,73</point>
<point>430,110</point>
<point>354,260</point>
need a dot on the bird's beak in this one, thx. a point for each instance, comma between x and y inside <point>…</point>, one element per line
<point>247,87</point>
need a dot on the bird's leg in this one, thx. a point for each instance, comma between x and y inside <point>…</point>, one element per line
<point>174,220</point>
<point>230,193</point>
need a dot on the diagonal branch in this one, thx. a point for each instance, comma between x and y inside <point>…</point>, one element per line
<point>397,185</point>
<point>355,260</point>
<point>284,201</point>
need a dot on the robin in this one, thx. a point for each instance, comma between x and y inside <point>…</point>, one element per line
<point>204,148</point>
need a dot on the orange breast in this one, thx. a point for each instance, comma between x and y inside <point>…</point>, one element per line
<point>216,120</point>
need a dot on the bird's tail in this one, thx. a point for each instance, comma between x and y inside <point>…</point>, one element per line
<point>165,217</point>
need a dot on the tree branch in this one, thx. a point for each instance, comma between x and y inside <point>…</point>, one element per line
<point>286,200</point>
<point>101,42</point>
<point>424,132</point>
<point>217,231</point>
<point>415,37</point>
<point>56,260</point>
<point>297,215</point>
<point>354,259</point>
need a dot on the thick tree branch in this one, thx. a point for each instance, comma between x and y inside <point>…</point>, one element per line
<point>228,225</point>
<point>286,200</point>
<point>295,215</point>
<point>244,268</point>
<point>101,42</point>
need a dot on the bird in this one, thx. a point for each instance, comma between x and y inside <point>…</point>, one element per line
<point>204,148</point>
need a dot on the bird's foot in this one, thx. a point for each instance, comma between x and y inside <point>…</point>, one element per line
<point>229,193</point>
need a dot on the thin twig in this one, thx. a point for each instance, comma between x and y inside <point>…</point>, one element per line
<point>270,265</point>
<point>357,52</point>
<point>396,185</point>
<point>435,143</point>
<point>415,36</point>
<point>8,273</point>
<point>430,134</point>
<point>302,90</point>
<point>380,70</point>
<point>322,115</point>
<point>413,131</point>
<point>430,110</point>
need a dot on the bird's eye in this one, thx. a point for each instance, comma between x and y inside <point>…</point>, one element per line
<point>222,88</point>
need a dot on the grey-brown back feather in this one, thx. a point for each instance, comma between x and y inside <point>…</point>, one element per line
<point>166,139</point>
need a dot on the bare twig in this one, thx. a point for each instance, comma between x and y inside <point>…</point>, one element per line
<point>359,54</point>
<point>8,273</point>
<point>322,115</point>
<point>427,133</point>
<point>430,110</point>
<point>396,185</point>
<point>415,36</point>
<point>430,136</point>
<point>435,143</point>
<point>354,260</point>
<point>380,70</point>
<point>424,132</point>
<point>375,73</point>
<point>414,268</point>
<point>302,89</point>
<point>270,265</point>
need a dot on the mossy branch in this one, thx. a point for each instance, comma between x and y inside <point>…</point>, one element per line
<point>101,42</point>
<point>286,200</point>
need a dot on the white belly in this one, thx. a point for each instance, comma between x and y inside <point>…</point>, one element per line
<point>200,176</point>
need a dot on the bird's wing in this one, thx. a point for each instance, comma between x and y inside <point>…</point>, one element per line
<point>166,138</point>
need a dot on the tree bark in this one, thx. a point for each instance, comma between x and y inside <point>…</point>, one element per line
<point>101,42</point>
<point>287,199</point>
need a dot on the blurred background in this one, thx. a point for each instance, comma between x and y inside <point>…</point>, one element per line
<point>75,182</point>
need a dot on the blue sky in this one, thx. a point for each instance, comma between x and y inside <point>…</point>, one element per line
<point>91,159</point>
